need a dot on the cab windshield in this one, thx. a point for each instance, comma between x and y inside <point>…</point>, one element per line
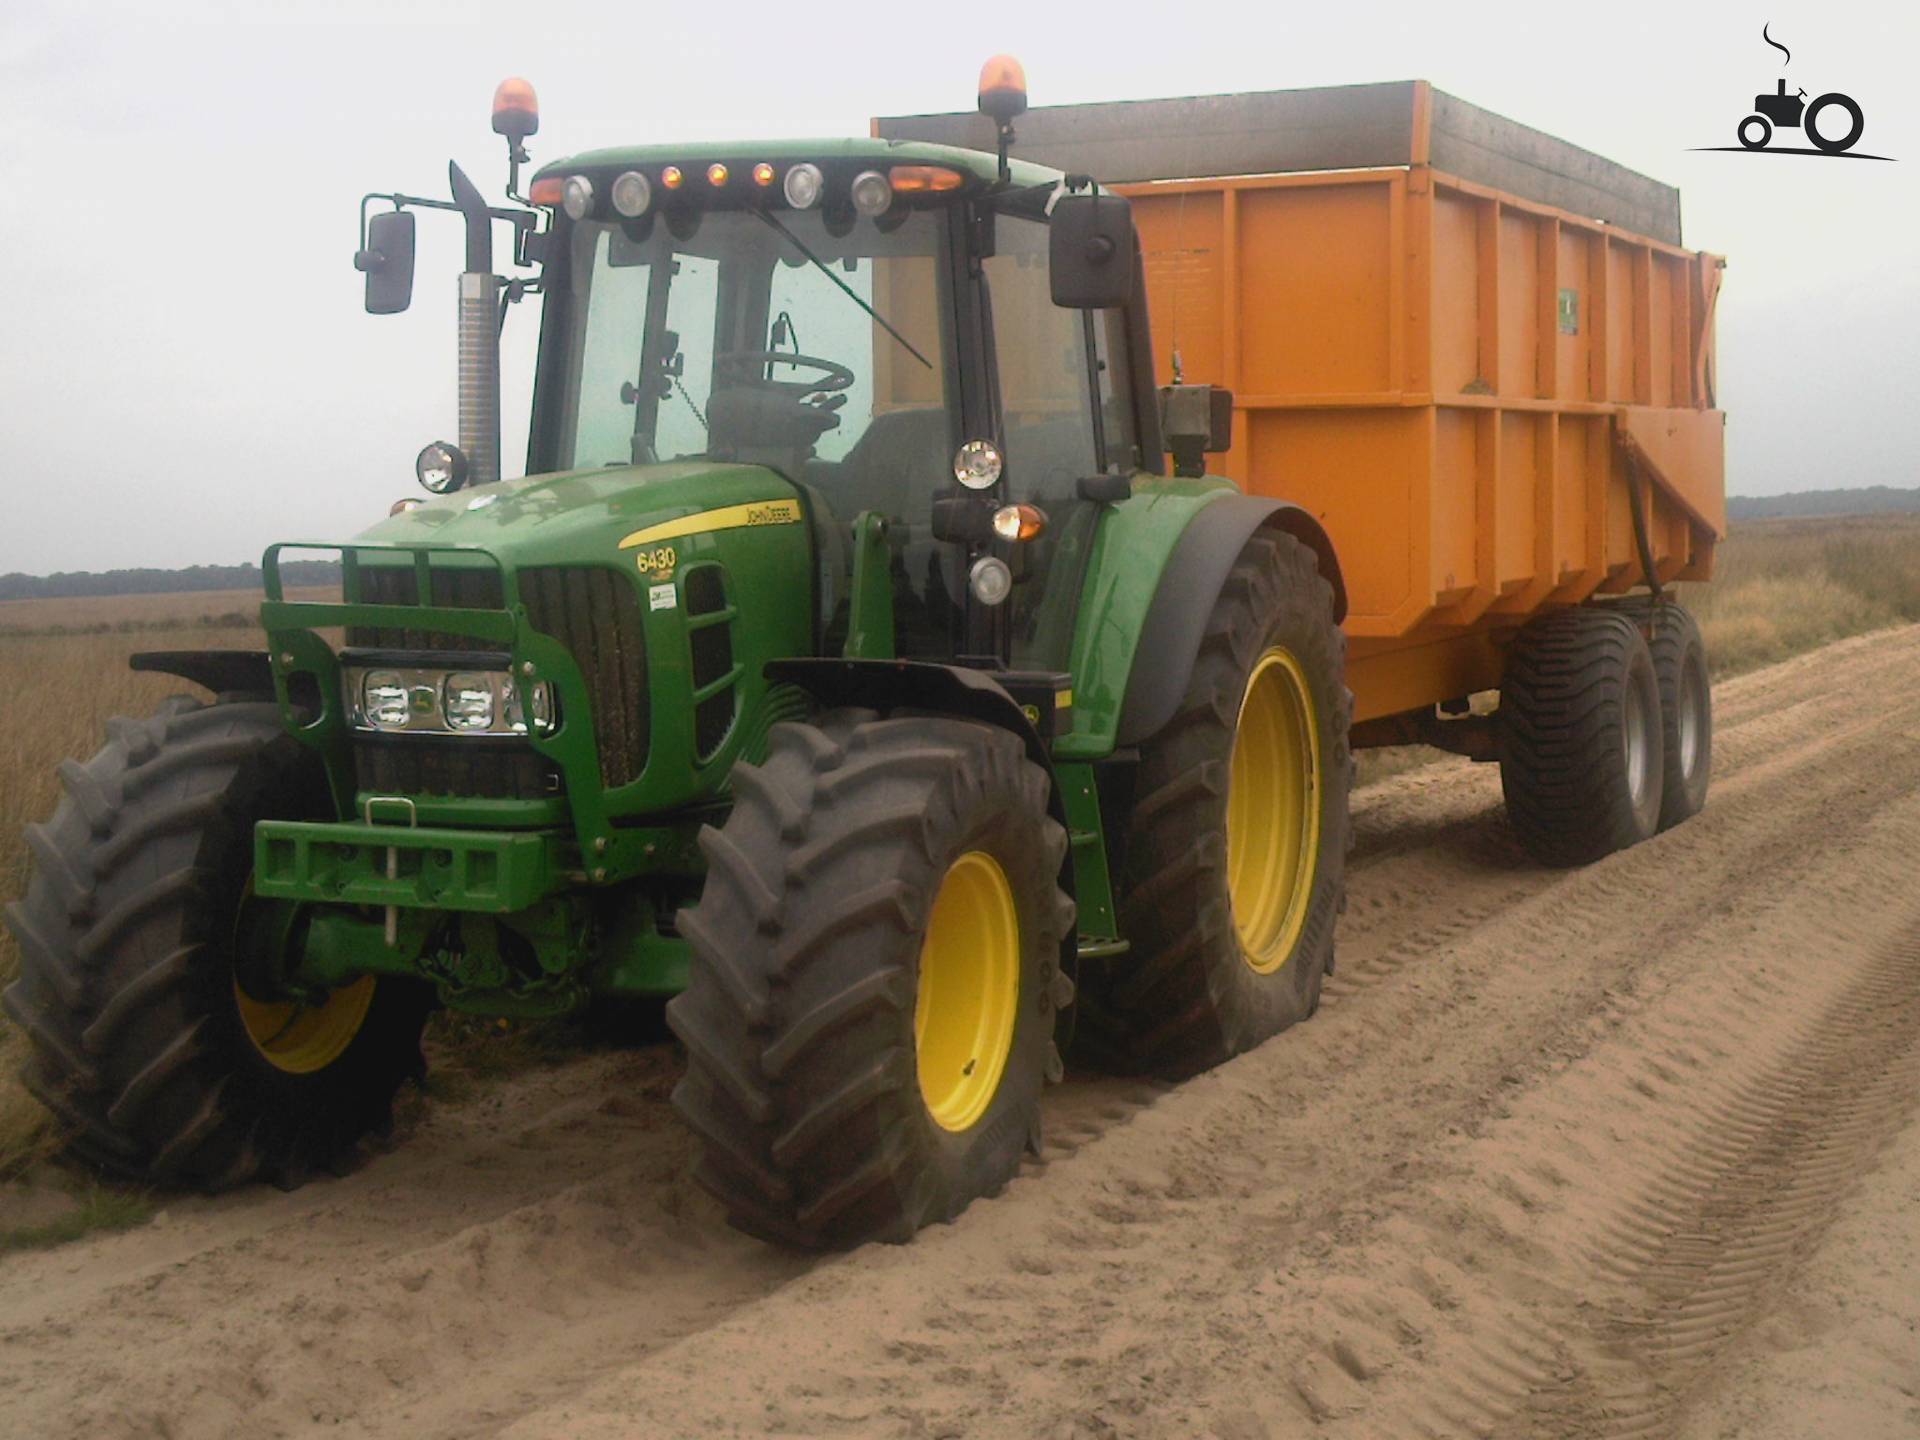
<point>767,338</point>
<point>823,347</point>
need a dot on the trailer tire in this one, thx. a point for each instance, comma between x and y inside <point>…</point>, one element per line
<point>875,976</point>
<point>1582,749</point>
<point>142,1045</point>
<point>1686,705</point>
<point>1233,886</point>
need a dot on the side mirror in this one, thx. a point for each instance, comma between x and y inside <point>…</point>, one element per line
<point>1195,421</point>
<point>388,262</point>
<point>1090,251</point>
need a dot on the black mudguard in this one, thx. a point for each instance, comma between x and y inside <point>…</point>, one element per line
<point>923,685</point>
<point>917,685</point>
<point>226,672</point>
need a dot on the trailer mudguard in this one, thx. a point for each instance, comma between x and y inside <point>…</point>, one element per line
<point>1196,569</point>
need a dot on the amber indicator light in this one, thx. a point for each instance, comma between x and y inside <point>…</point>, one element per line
<point>912,179</point>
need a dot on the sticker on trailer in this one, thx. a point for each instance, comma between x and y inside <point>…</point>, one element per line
<point>661,597</point>
<point>1569,312</point>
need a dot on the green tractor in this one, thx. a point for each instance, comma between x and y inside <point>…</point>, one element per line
<point>848,666</point>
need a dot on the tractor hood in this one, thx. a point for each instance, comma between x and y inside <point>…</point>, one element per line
<point>669,586</point>
<point>623,516</point>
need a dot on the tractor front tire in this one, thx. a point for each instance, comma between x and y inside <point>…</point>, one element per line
<point>158,1066</point>
<point>875,975</point>
<point>1582,749</point>
<point>1236,854</point>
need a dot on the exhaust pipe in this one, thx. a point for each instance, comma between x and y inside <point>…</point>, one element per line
<point>479,389</point>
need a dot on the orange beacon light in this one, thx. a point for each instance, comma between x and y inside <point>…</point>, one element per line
<point>516,110</point>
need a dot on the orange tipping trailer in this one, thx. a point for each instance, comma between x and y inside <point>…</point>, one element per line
<point>1465,345</point>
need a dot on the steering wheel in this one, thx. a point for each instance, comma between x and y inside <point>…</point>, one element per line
<point>742,363</point>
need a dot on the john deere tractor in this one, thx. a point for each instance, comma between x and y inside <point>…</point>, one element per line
<point>848,666</point>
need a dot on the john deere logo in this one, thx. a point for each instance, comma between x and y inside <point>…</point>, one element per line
<point>422,700</point>
<point>1832,122</point>
<point>729,517</point>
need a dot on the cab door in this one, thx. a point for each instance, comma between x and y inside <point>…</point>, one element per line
<point>1066,412</point>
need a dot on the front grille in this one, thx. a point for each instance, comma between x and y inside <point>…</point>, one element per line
<point>595,613</point>
<point>476,769</point>
<point>712,653</point>
<point>454,589</point>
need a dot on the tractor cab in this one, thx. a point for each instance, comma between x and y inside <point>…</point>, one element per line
<point>874,322</point>
<point>939,349</point>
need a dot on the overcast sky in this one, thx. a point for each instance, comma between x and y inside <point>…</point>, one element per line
<point>188,373</point>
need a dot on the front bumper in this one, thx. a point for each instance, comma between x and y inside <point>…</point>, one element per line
<point>493,872</point>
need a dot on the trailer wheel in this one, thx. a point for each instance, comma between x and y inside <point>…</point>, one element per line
<point>869,1013</point>
<point>1582,760</point>
<point>1237,846</point>
<point>1686,706</point>
<point>135,936</point>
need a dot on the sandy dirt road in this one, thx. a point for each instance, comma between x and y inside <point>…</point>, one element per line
<point>1620,1151</point>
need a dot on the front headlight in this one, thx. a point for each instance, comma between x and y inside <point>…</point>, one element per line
<point>397,700</point>
<point>383,699</point>
<point>468,700</point>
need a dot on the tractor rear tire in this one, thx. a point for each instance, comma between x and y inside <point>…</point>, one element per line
<point>1582,752</point>
<point>1236,853</point>
<point>141,1038</point>
<point>875,976</point>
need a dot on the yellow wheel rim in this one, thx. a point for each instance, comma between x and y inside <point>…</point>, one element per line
<point>969,991</point>
<point>301,1041</point>
<point>1273,811</point>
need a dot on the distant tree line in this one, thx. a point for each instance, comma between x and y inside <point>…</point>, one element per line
<point>1867,500</point>
<point>68,584</point>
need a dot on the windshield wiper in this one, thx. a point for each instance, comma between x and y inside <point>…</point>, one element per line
<point>849,291</point>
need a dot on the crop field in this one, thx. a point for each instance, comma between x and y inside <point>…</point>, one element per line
<point>63,672</point>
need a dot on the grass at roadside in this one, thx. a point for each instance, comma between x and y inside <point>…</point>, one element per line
<point>1784,586</point>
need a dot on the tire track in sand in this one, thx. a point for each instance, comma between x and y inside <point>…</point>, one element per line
<point>1754,1184</point>
<point>1385,1224</point>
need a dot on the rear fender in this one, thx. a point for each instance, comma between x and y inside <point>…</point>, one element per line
<point>1156,572</point>
<point>1196,571</point>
